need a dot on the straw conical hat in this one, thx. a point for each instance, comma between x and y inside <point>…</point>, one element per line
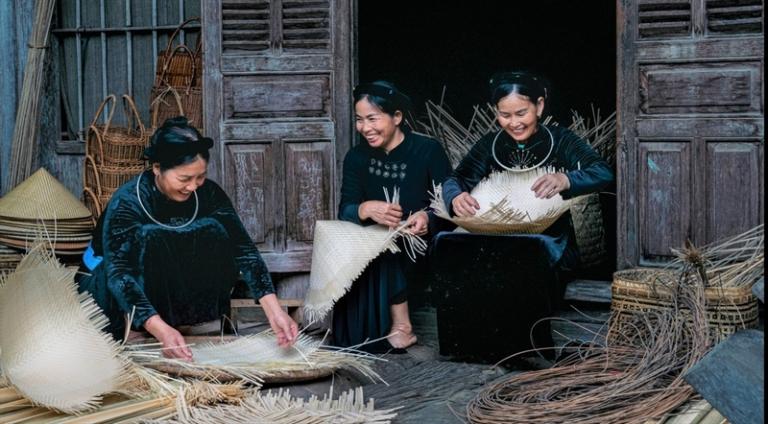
<point>340,252</point>
<point>41,196</point>
<point>508,205</point>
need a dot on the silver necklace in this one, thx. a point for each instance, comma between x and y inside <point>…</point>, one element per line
<point>194,215</point>
<point>522,157</point>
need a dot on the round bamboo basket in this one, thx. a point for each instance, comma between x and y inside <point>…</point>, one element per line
<point>637,290</point>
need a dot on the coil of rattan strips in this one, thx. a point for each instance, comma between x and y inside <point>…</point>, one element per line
<point>728,309</point>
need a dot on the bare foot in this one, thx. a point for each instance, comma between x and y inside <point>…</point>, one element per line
<point>401,336</point>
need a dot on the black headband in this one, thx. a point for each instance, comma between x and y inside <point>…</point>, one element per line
<point>521,78</point>
<point>166,152</point>
<point>389,93</point>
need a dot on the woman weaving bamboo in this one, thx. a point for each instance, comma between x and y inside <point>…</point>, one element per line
<point>169,247</point>
<point>523,143</point>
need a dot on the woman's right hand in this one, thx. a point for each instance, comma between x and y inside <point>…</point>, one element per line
<point>172,341</point>
<point>381,212</point>
<point>464,205</point>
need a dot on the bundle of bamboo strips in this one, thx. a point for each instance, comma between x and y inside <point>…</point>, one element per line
<point>24,141</point>
<point>636,377</point>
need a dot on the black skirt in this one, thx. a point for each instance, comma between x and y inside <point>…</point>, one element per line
<point>187,275</point>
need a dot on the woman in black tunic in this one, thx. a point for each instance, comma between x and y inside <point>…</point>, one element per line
<point>392,157</point>
<point>524,143</point>
<point>169,248</point>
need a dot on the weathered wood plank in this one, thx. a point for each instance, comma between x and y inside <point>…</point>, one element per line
<point>737,364</point>
<point>598,291</point>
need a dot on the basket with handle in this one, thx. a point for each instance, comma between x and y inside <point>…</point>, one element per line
<point>91,175</point>
<point>170,100</point>
<point>124,145</point>
<point>91,201</point>
<point>180,70</point>
<point>728,309</point>
<point>94,144</point>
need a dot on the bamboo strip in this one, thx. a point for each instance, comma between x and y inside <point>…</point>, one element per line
<point>24,142</point>
<point>24,414</point>
<point>121,411</point>
<point>8,394</point>
<point>14,405</point>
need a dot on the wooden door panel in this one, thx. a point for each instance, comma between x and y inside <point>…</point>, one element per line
<point>690,100</point>
<point>734,183</point>
<point>277,96</point>
<point>308,196</point>
<point>703,87</point>
<point>253,184</point>
<point>278,101</point>
<point>665,196</point>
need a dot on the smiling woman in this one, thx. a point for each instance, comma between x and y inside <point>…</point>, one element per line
<point>169,247</point>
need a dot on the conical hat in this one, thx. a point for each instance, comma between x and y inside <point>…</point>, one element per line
<point>508,205</point>
<point>340,253</point>
<point>41,196</point>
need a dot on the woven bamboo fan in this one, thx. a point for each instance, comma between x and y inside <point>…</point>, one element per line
<point>53,351</point>
<point>507,205</point>
<point>341,252</point>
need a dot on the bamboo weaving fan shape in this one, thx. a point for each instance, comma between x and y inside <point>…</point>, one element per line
<point>53,351</point>
<point>341,252</point>
<point>507,205</point>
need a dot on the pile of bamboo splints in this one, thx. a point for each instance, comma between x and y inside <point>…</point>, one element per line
<point>636,375</point>
<point>57,365</point>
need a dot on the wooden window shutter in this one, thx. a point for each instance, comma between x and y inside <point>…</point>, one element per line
<point>734,16</point>
<point>664,19</point>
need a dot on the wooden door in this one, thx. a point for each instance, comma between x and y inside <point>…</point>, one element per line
<point>690,105</point>
<point>277,90</point>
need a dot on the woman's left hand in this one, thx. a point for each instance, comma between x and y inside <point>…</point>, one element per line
<point>549,185</point>
<point>282,324</point>
<point>417,223</point>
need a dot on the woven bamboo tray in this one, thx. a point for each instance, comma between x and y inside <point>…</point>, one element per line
<point>728,309</point>
<point>301,373</point>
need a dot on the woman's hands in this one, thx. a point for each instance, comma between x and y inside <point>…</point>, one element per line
<point>549,185</point>
<point>172,341</point>
<point>381,212</point>
<point>284,327</point>
<point>417,223</point>
<point>464,205</point>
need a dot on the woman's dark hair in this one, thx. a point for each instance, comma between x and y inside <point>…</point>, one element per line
<point>384,95</point>
<point>177,143</point>
<point>524,83</point>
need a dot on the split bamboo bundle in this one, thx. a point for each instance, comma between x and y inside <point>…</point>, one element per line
<point>281,408</point>
<point>28,113</point>
<point>636,377</point>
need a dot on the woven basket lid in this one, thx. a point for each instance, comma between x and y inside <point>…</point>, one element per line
<point>41,196</point>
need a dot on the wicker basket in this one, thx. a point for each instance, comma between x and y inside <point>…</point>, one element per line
<point>169,102</point>
<point>728,309</point>
<point>180,66</point>
<point>115,145</point>
<point>91,175</point>
<point>111,177</point>
<point>91,201</point>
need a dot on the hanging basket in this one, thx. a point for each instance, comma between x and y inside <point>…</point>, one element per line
<point>180,66</point>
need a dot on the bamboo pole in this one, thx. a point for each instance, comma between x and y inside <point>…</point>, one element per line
<point>28,112</point>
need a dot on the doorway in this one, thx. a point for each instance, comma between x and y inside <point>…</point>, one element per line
<point>441,50</point>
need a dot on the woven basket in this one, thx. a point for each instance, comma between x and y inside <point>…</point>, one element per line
<point>91,175</point>
<point>169,102</point>
<point>115,145</point>
<point>728,309</point>
<point>180,66</point>
<point>587,217</point>
<point>112,177</point>
<point>92,202</point>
